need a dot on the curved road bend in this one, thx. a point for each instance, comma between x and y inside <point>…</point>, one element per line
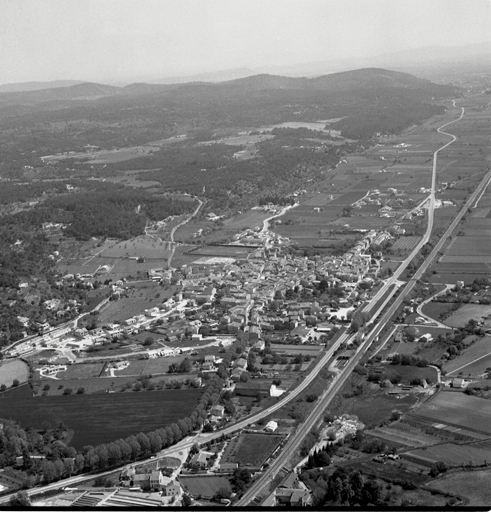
<point>431,215</point>
<point>337,383</point>
<point>175,228</point>
<point>203,438</point>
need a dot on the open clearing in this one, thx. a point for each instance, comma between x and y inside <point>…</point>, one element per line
<point>458,409</point>
<point>473,485</point>
<point>11,370</point>
<point>251,449</point>
<point>204,486</point>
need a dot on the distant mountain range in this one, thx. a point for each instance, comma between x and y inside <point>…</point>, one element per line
<point>427,62</point>
<point>36,86</point>
<point>370,78</point>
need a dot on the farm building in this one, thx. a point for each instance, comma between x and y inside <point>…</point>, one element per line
<point>458,383</point>
<point>253,388</point>
<point>271,426</point>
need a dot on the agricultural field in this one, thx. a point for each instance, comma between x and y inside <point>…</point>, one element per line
<point>403,348</point>
<point>13,370</point>
<point>454,455</point>
<point>458,409</point>
<point>138,299</point>
<point>467,312</point>
<point>478,351</point>
<point>250,219</point>
<point>473,485</point>
<point>472,249</point>
<point>204,486</point>
<point>251,449</point>
<point>101,418</point>
<point>403,437</point>
<point>221,251</point>
<point>294,350</point>
<point>374,410</point>
<point>435,309</point>
<point>144,246</point>
<point>406,243</point>
<point>349,198</point>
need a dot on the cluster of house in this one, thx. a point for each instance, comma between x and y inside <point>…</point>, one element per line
<point>151,481</point>
<point>291,492</point>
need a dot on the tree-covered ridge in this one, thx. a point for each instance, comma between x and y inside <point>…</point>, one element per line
<point>98,208</point>
<point>31,126</point>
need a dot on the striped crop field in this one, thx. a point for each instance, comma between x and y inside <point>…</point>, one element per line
<point>406,243</point>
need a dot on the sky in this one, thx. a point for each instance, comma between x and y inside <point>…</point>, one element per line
<point>126,40</point>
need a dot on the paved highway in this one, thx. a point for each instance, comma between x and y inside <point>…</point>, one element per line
<point>324,400</point>
<point>175,228</point>
<point>431,216</point>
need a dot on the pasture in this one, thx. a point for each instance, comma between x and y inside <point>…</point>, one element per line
<point>13,370</point>
<point>458,410</point>
<point>473,485</point>
<point>467,312</point>
<point>251,449</point>
<point>204,486</point>
<point>101,418</point>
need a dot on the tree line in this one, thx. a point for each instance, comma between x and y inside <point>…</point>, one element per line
<point>63,461</point>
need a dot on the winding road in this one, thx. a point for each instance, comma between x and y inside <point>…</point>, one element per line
<point>294,442</point>
<point>175,228</point>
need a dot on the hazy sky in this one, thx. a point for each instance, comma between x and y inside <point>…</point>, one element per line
<point>121,40</point>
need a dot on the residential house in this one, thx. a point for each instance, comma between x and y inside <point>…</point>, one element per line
<point>171,489</point>
<point>217,410</point>
<point>156,480</point>
<point>201,459</point>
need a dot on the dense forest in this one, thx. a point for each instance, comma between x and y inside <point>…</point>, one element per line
<point>97,208</point>
<point>37,123</point>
